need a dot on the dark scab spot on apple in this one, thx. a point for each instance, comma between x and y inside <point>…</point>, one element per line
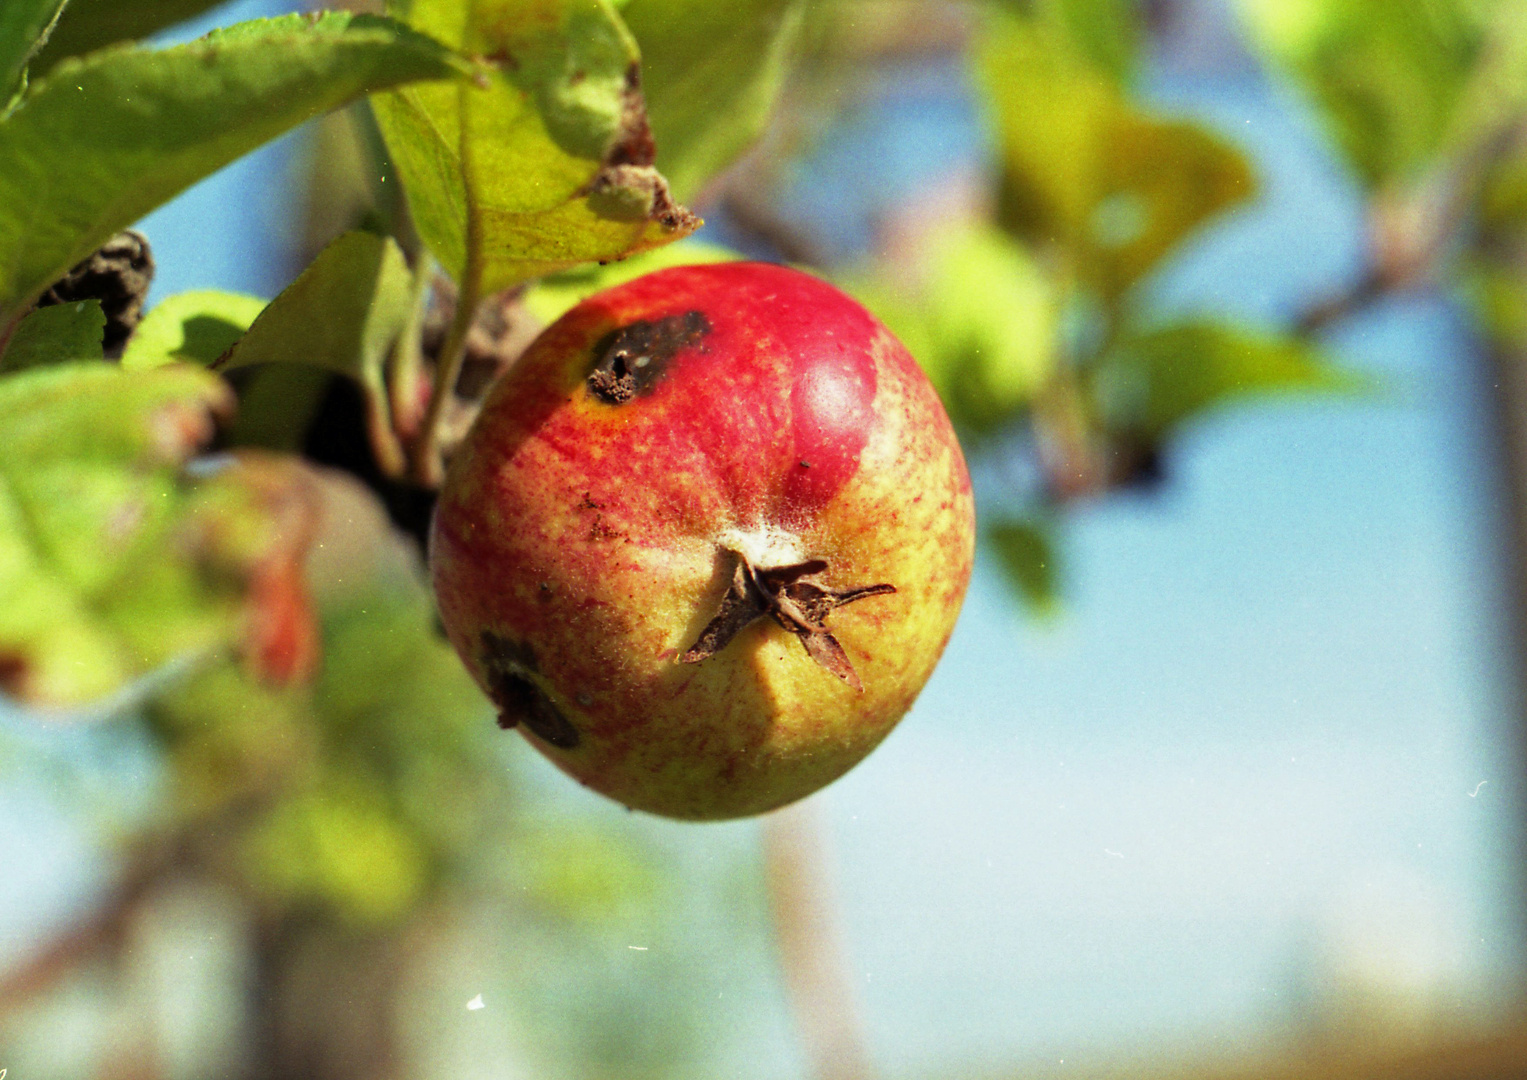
<point>521,701</point>
<point>501,653</point>
<point>631,361</point>
<point>508,665</point>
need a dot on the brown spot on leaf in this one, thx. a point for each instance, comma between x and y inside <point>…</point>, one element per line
<point>633,144</point>
<point>632,359</point>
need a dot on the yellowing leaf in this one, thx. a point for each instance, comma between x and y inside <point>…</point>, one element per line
<point>543,164</point>
<point>1083,169</point>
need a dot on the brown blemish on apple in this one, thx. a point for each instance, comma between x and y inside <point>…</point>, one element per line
<point>632,359</point>
<point>789,596</point>
<point>508,665</point>
<point>521,701</point>
<point>505,654</point>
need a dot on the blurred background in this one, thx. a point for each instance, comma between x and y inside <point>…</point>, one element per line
<point>1221,772</point>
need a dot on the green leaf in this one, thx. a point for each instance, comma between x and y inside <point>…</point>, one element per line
<point>57,334</point>
<point>24,26</point>
<point>103,140</point>
<point>1106,33</point>
<point>711,74</point>
<point>1388,75</point>
<point>193,327</point>
<point>548,298</point>
<point>88,25</point>
<point>105,571</point>
<point>1115,187</point>
<point>982,324</point>
<point>342,313</point>
<point>543,165</point>
<point>1026,550</point>
<point>1155,381</point>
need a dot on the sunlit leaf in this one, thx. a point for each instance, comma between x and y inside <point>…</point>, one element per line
<point>543,164</point>
<point>585,876</point>
<point>57,334</point>
<point>1106,33</point>
<point>1156,380</point>
<point>342,313</point>
<point>711,73</point>
<point>1114,186</point>
<point>338,846</point>
<point>193,327</point>
<point>101,141</point>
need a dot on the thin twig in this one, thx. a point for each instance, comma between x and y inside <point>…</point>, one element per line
<point>806,928</point>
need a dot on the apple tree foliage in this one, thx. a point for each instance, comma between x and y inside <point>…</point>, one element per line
<point>166,551</point>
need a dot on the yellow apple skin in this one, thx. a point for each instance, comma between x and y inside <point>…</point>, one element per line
<point>588,532</point>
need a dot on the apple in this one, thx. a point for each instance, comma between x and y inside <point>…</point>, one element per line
<point>706,541</point>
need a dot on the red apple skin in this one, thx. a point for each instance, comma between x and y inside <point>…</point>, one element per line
<point>580,547</point>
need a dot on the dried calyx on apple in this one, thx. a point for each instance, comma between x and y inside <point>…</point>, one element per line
<point>707,539</point>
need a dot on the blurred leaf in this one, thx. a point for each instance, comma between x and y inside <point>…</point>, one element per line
<point>1156,380</point>
<point>88,25</point>
<point>1115,187</point>
<point>1027,551</point>
<point>982,325</point>
<point>1106,33</point>
<point>1162,179</point>
<point>542,165</point>
<point>366,782</point>
<point>711,73</point>
<point>94,532</point>
<point>585,876</point>
<point>193,327</point>
<point>24,25</point>
<point>548,298</point>
<point>1499,299</point>
<point>1388,75</point>
<point>338,846</point>
<point>57,334</point>
<point>103,140</point>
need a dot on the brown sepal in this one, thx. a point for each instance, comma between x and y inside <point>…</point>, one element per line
<point>788,596</point>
